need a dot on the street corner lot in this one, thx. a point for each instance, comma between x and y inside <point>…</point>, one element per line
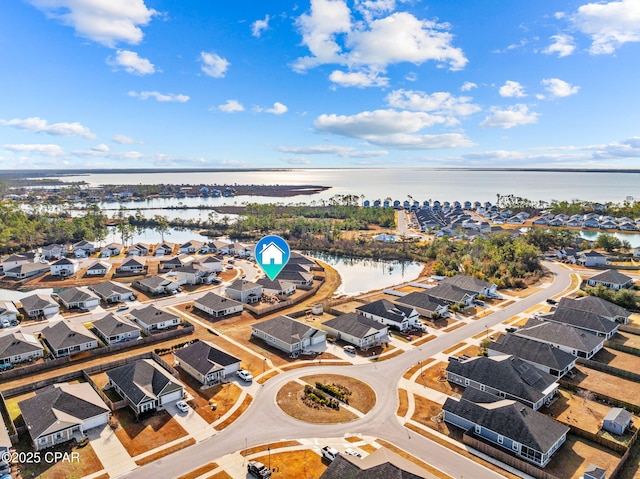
<point>294,464</point>
<point>149,432</point>
<point>431,379</point>
<point>576,454</point>
<point>606,385</point>
<point>429,414</point>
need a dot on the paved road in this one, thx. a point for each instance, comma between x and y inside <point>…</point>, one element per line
<point>264,422</point>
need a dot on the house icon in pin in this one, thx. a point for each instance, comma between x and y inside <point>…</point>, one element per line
<point>271,254</point>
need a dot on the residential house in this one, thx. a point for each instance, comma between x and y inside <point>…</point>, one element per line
<point>382,463</point>
<point>112,292</point>
<point>298,278</point>
<point>508,424</point>
<point>152,319</point>
<point>556,222</point>
<point>66,337</point>
<point>636,252</point>
<point>452,294</point>
<point>543,356</point>
<point>53,251</point>
<point>193,273</point>
<point>83,249</point>
<point>395,315</point>
<point>190,247</point>
<point>220,247</point>
<point>145,385</point>
<point>277,286</point>
<point>574,223</point>
<point>627,226</point>
<point>608,225</point>
<point>211,263</point>
<point>218,306</point>
<point>15,260</point>
<point>62,412</point>
<point>113,329</point>
<point>592,258</point>
<point>206,363</point>
<point>611,279</point>
<point>132,265</point>
<point>64,267</point>
<point>139,249</point>
<point>164,249</point>
<point>18,347</point>
<point>244,291</point>
<point>585,320</point>
<point>26,270</point>
<point>8,312</point>
<point>156,284</point>
<point>170,264</point>
<point>112,249</point>
<point>358,330</point>
<point>504,376</point>
<point>567,338</point>
<point>617,420</point>
<point>599,306</point>
<point>78,298</point>
<point>469,283</point>
<point>39,305</point>
<point>591,223</point>
<point>594,472</point>
<point>99,268</point>
<point>297,258</point>
<point>541,221</point>
<point>289,335</point>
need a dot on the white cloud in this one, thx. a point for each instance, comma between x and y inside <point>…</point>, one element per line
<point>513,46</point>
<point>108,22</point>
<point>513,116</point>
<point>562,45</point>
<point>610,24</point>
<point>297,160</point>
<point>214,65</point>
<point>342,151</point>
<point>359,79</point>
<point>468,85</point>
<point>512,89</point>
<point>101,147</point>
<point>442,103</point>
<point>371,9</point>
<point>36,149</point>
<point>38,125</point>
<point>131,63</point>
<point>559,88</point>
<point>423,142</point>
<point>124,140</point>
<point>161,97</point>
<point>259,26</point>
<point>230,106</point>
<point>277,109</point>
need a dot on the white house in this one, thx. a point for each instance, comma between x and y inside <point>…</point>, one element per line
<point>151,319</point>
<point>83,249</point>
<point>358,330</point>
<point>8,312</point>
<point>79,298</point>
<point>37,305</point>
<point>271,254</point>
<point>218,306</point>
<point>592,258</point>
<point>65,338</point>
<point>164,249</point>
<point>611,279</point>
<point>206,363</point>
<point>132,265</point>
<point>289,335</point>
<point>114,329</point>
<point>112,249</point>
<point>18,347</point>
<point>64,267</point>
<point>53,251</point>
<point>244,291</point>
<point>99,268</point>
<point>389,314</point>
<point>636,252</point>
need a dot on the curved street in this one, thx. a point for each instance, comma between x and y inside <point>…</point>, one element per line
<point>263,422</point>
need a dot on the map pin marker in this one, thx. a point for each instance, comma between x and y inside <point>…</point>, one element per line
<point>272,255</point>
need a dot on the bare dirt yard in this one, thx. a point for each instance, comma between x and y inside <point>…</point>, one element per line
<point>294,464</point>
<point>223,396</point>
<point>618,359</point>
<point>574,411</point>
<point>139,436</point>
<point>431,379</point>
<point>626,339</point>
<point>607,385</point>
<point>576,453</point>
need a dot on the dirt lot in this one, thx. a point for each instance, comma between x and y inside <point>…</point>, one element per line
<point>148,433</point>
<point>410,289</point>
<point>576,454</point>
<point>349,307</point>
<point>430,380</point>
<point>223,395</point>
<point>626,339</point>
<point>424,413</point>
<point>618,359</point>
<point>572,410</point>
<point>607,385</point>
<point>294,464</point>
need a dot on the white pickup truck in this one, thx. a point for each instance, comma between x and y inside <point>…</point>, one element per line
<point>329,453</point>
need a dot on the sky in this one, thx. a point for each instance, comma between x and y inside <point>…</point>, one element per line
<point>319,84</point>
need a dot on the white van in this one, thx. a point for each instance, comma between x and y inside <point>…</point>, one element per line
<point>349,349</point>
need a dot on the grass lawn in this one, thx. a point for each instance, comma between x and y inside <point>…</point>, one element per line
<point>289,399</point>
<point>236,414</point>
<point>403,407</point>
<point>224,395</point>
<point>431,377</point>
<point>453,348</point>
<point>576,454</point>
<point>294,464</point>
<point>148,433</point>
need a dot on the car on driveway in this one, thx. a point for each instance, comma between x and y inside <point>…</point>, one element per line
<point>349,349</point>
<point>352,452</point>
<point>245,375</point>
<point>182,406</point>
<point>329,453</point>
<point>258,469</point>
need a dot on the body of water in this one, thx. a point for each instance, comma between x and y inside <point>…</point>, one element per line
<point>360,275</point>
<point>633,239</point>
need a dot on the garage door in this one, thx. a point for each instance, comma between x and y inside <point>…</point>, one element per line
<point>95,421</point>
<point>174,396</point>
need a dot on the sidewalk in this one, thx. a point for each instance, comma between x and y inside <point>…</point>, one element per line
<point>114,457</point>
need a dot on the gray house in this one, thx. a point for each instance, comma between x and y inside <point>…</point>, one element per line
<point>611,279</point>
<point>218,306</point>
<point>592,258</point>
<point>78,298</point>
<point>358,330</point>
<point>65,338</point>
<point>111,292</point>
<point>39,305</point>
<point>599,306</point>
<point>395,315</point>
<point>244,291</point>
<point>472,284</point>
<point>206,363</point>
<point>507,424</point>
<point>18,347</point>
<point>617,420</point>
<point>585,320</point>
<point>289,335</point>
<point>569,339</point>
<point>424,304</point>
<point>151,319</point>
<point>113,329</point>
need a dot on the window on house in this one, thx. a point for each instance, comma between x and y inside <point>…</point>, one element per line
<point>478,429</point>
<point>500,439</point>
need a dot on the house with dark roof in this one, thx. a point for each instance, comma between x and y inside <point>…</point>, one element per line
<point>206,363</point>
<point>83,249</point>
<point>452,294</point>
<point>357,329</point>
<point>66,337</point>
<point>113,329</point>
<point>218,306</point>
<point>139,249</point>
<point>299,278</point>
<point>194,273</point>
<point>380,464</point>
<point>18,347</point>
<point>133,264</point>
<point>112,292</point>
<point>567,338</point>
<point>155,284</point>
<point>611,279</point>
<point>244,291</point>
<point>508,424</point>
<point>78,298</point>
<point>592,258</point>
<point>190,247</point>
<point>145,385</point>
<point>171,263</point>
<point>277,286</point>
<point>152,319</point>
<point>64,267</point>
<point>506,377</point>
<point>112,249</point>
<point>289,335</point>
<point>585,320</point>
<point>470,283</point>
<point>599,306</point>
<point>164,249</point>
<point>38,304</point>
<point>98,268</point>
<point>594,472</point>
<point>617,420</point>
<point>8,312</point>
<point>426,306</point>
<point>543,356</point>
<point>211,263</point>
<point>15,260</point>
<point>62,412</point>
<point>26,270</point>
<point>395,315</point>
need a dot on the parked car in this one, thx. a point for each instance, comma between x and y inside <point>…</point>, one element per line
<point>182,406</point>
<point>551,301</point>
<point>245,375</point>
<point>352,452</point>
<point>258,469</point>
<point>478,302</point>
<point>511,330</point>
<point>329,453</point>
<point>349,349</point>
<point>124,307</point>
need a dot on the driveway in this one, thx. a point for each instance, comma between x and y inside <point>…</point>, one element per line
<point>191,422</point>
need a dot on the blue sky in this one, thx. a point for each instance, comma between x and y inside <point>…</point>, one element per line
<point>321,83</point>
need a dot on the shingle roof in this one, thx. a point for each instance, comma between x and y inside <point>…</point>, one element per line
<point>28,268</point>
<point>151,315</point>
<point>60,405</point>
<point>99,265</point>
<point>143,379</point>
<point>381,464</point>
<point>611,276</point>
<point>534,351</point>
<point>75,295</point>
<point>217,302</point>
<point>467,282</point>
<point>508,418</point>
<point>111,325</point>
<point>618,415</point>
<point>595,305</point>
<point>14,344</point>
<point>65,334</point>
<point>243,285</point>
<point>355,325</point>
<point>64,261</point>
<point>582,319</point>
<point>204,357</point>
<point>276,284</point>
<point>449,292</point>
<point>108,288</point>
<point>295,276</point>
<point>285,329</point>
<point>421,300</point>
<point>386,309</point>
<point>133,261</point>
<point>153,282</point>
<point>505,373</point>
<point>37,301</point>
<point>557,333</point>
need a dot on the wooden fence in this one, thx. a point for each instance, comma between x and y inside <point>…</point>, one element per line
<point>261,311</point>
<point>634,408</point>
